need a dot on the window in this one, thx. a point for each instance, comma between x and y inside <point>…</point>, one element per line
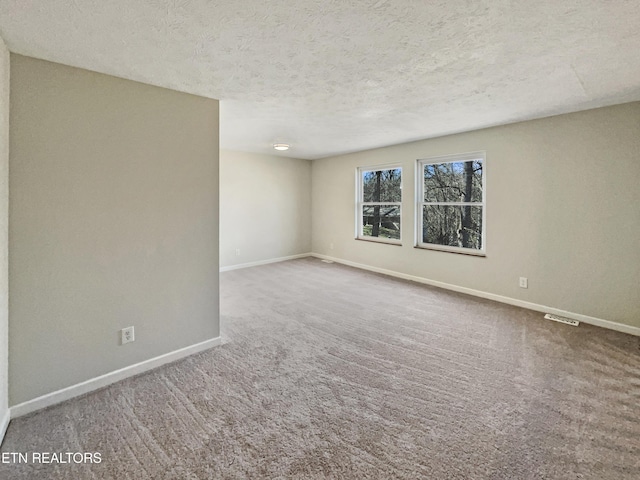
<point>379,203</point>
<point>451,203</point>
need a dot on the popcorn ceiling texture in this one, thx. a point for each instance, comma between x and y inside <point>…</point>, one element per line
<point>331,76</point>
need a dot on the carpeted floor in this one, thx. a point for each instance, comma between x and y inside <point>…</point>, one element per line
<point>331,372</point>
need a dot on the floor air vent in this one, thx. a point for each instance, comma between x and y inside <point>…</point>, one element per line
<point>557,318</point>
<point>327,261</point>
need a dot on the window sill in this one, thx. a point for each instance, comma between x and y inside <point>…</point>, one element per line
<point>461,251</point>
<point>375,240</point>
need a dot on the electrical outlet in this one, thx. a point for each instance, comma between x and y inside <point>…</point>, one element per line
<point>524,283</point>
<point>331,246</point>
<point>237,252</point>
<point>127,335</point>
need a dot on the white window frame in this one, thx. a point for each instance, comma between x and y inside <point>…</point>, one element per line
<point>360,203</point>
<point>462,157</point>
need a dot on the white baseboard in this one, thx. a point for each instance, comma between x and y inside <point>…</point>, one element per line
<point>264,262</point>
<point>599,322</point>
<point>108,378</point>
<point>4,423</point>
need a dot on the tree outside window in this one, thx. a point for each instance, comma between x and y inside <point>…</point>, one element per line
<point>379,204</point>
<point>451,203</point>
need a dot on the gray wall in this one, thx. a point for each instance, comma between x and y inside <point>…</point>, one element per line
<point>113,222</point>
<point>265,207</point>
<point>4,221</point>
<point>562,209</point>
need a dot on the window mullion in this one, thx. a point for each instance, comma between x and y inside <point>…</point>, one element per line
<point>455,204</point>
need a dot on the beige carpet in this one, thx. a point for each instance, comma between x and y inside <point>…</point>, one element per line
<point>332,372</point>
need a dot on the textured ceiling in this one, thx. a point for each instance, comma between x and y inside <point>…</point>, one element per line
<point>333,76</point>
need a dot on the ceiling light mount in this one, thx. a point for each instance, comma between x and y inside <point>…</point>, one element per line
<point>281,146</point>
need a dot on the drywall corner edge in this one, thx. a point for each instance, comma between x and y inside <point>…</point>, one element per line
<point>598,322</point>
<point>4,424</point>
<point>96,383</point>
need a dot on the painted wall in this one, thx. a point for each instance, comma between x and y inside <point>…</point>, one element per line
<point>562,209</point>
<point>265,207</point>
<point>113,222</point>
<point>4,225</point>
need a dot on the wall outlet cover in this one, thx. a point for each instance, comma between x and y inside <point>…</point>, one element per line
<point>127,335</point>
